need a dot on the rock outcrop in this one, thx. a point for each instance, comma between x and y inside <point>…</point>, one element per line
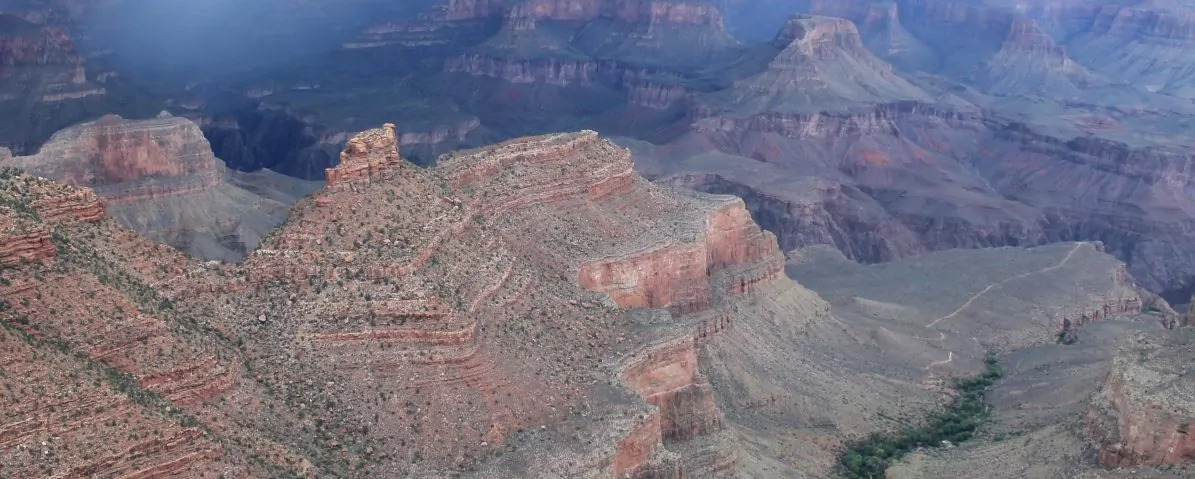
<point>821,66</point>
<point>1144,410</point>
<point>883,33</point>
<point>678,277</point>
<point>366,157</point>
<point>24,241</point>
<point>159,177</point>
<point>127,161</point>
<point>40,63</point>
<point>484,223</point>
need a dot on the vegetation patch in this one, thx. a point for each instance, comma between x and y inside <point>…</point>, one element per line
<point>871,456</point>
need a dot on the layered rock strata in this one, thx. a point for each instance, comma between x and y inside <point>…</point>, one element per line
<point>25,237</point>
<point>159,177</point>
<point>419,321</point>
<point>1143,412</point>
<point>86,335</point>
<point>497,200</point>
<point>40,63</point>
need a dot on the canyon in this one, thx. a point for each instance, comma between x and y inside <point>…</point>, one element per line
<point>594,238</point>
<point>528,309</point>
<point>928,136</point>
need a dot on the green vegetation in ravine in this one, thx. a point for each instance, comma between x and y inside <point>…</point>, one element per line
<point>871,456</point>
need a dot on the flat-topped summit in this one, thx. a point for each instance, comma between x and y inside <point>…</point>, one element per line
<point>160,178</point>
<point>112,150</point>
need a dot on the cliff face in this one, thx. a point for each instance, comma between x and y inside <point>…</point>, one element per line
<point>654,12</point>
<point>678,277</point>
<point>1150,45</point>
<point>24,241</point>
<point>659,96</point>
<point>581,42</point>
<point>39,63</point>
<point>882,32</point>
<point>159,177</point>
<point>824,213</point>
<point>1143,412</point>
<point>111,152</point>
<point>366,157</point>
<point>545,72</point>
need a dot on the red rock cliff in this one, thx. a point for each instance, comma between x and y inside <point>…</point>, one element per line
<point>129,160</point>
<point>366,157</point>
<point>681,276</point>
<point>43,56</point>
<point>1144,413</point>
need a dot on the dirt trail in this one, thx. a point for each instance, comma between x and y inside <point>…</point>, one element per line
<point>949,359</point>
<point>1005,281</point>
<point>990,287</point>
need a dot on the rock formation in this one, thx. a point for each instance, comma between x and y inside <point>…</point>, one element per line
<point>1148,44</point>
<point>822,67</point>
<point>40,63</point>
<point>159,177</point>
<point>366,157</point>
<point>796,120</point>
<point>535,298</point>
<point>883,33</point>
<point>496,201</point>
<point>946,123</point>
<point>1143,412</point>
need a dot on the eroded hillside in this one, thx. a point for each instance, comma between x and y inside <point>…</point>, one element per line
<point>529,309</point>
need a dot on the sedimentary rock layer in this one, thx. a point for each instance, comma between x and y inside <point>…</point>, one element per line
<point>159,177</point>
<point>1143,412</point>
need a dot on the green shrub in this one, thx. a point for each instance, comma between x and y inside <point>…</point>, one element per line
<point>871,456</point>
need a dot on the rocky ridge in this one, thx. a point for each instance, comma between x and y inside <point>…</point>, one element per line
<point>491,197</point>
<point>69,322</point>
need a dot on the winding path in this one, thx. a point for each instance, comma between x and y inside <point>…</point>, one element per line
<point>990,287</point>
<point>1005,281</point>
<point>948,360</point>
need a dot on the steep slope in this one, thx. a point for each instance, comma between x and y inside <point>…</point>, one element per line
<point>159,178</point>
<point>991,48</point>
<point>882,32</point>
<point>822,66</point>
<point>659,34</point>
<point>1144,410</point>
<point>1149,45</point>
<point>528,309</point>
<point>102,376</point>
